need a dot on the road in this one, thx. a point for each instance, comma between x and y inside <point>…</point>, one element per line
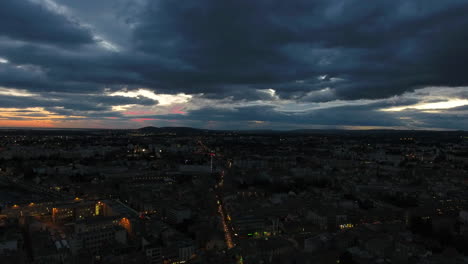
<point>226,228</point>
<point>218,187</point>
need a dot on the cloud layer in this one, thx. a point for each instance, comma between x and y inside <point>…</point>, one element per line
<point>234,64</point>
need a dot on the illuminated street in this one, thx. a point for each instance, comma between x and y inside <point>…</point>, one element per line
<point>227,234</point>
<point>221,210</point>
<point>228,237</point>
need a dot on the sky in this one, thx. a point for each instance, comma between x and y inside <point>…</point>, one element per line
<point>234,64</point>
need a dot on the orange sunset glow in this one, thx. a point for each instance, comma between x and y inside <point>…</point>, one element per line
<point>27,123</point>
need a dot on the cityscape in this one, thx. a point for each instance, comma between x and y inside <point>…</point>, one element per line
<point>184,195</point>
<point>233,132</point>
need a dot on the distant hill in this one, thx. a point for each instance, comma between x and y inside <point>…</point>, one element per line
<point>176,130</point>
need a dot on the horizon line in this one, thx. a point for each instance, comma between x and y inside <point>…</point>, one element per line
<point>253,129</point>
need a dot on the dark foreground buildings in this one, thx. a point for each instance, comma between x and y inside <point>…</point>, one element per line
<point>192,196</point>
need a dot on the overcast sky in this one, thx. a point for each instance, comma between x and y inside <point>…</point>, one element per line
<point>234,64</point>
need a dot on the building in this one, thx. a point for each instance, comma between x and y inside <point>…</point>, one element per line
<point>72,211</point>
<point>178,214</point>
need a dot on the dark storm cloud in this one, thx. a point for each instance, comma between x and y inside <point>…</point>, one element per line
<point>352,116</point>
<point>35,78</point>
<point>336,116</point>
<point>223,47</point>
<point>88,114</point>
<point>32,22</point>
<point>306,51</point>
<point>439,120</point>
<point>460,108</point>
<point>72,102</point>
<point>380,49</point>
<point>48,68</point>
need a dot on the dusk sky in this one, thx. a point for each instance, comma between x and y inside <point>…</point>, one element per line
<point>240,64</point>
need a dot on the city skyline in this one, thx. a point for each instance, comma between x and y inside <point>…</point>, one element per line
<point>234,64</point>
